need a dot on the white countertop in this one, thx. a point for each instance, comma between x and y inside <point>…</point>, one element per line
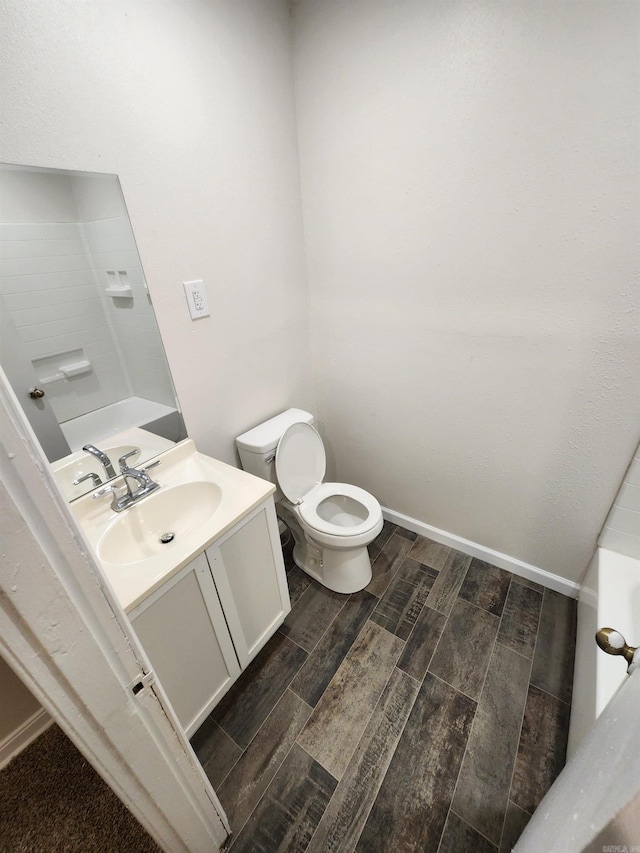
<point>132,582</point>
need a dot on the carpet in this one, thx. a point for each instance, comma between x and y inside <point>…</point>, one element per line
<point>51,799</point>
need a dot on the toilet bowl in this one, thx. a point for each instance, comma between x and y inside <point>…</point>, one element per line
<point>331,523</point>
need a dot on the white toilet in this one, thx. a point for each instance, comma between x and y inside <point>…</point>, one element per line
<point>331,523</point>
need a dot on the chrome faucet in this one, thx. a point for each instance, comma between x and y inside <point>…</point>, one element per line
<point>123,496</point>
<point>104,459</point>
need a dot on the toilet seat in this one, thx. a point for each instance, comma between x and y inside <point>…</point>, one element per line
<point>335,509</point>
<point>352,511</point>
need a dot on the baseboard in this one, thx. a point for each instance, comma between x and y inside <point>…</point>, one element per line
<point>503,561</point>
<point>21,737</point>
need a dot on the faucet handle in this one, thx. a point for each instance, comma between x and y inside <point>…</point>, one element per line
<point>123,459</point>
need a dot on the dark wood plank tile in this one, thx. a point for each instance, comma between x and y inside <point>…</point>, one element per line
<point>520,617</point>
<point>556,645</point>
<point>312,614</point>
<point>247,782</point>
<point>430,553</point>
<point>411,808</point>
<point>298,582</point>
<point>252,698</point>
<point>288,813</point>
<point>542,748</point>
<point>531,584</point>
<point>463,653</point>
<point>459,837</point>
<point>387,563</point>
<point>406,534</point>
<point>446,586</point>
<point>486,586</point>
<point>483,786</point>
<point>514,825</point>
<point>422,643</point>
<point>381,539</point>
<point>215,750</point>
<point>400,606</point>
<point>351,803</point>
<point>342,714</point>
<point>322,664</point>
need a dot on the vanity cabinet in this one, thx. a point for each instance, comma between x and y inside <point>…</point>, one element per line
<point>183,631</point>
<point>249,575</point>
<point>203,626</point>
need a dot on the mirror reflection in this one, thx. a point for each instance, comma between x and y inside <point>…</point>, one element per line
<point>79,340</point>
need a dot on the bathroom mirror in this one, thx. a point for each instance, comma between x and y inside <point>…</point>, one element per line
<point>79,340</point>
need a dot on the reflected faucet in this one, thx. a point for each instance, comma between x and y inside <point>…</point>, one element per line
<point>102,457</point>
<point>95,480</point>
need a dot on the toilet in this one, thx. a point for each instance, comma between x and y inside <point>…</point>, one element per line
<point>331,523</point>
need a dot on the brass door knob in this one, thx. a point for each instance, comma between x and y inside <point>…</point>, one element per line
<point>613,643</point>
<point>36,393</point>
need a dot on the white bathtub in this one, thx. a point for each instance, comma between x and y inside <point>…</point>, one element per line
<point>610,598</point>
<point>110,420</point>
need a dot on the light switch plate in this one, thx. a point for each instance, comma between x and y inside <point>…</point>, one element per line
<point>196,299</point>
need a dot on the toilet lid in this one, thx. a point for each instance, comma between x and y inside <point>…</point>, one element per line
<point>300,461</point>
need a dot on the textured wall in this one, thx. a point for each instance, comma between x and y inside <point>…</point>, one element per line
<point>470,180</point>
<point>470,196</point>
<point>191,104</point>
<point>621,532</point>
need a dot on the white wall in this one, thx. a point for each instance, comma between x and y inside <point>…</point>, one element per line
<point>191,104</point>
<point>97,196</point>
<point>621,531</point>
<point>36,197</point>
<point>470,197</point>
<point>471,208</point>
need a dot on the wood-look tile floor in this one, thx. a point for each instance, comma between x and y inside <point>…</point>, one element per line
<point>429,712</point>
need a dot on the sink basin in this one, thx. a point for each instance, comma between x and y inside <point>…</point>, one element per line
<point>199,499</point>
<point>180,510</point>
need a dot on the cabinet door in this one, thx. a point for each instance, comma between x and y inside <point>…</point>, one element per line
<point>183,631</point>
<point>249,573</point>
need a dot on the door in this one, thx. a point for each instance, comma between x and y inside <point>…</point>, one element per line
<point>592,805</point>
<point>65,635</point>
<point>21,372</point>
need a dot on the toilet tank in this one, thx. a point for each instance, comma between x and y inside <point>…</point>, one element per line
<point>257,446</point>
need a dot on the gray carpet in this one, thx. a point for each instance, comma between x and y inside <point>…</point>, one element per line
<point>51,799</point>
